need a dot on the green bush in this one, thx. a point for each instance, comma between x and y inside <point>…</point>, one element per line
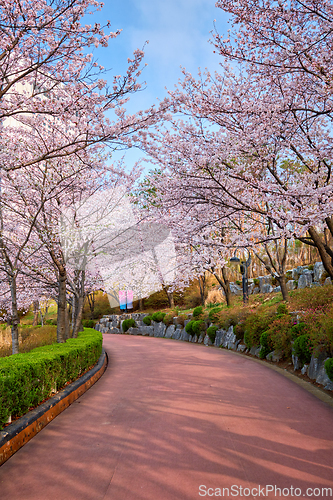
<point>329,368</point>
<point>211,332</point>
<point>158,316</point>
<point>50,322</point>
<point>282,309</point>
<point>280,332</point>
<point>254,326</point>
<point>212,315</point>
<point>147,320</point>
<point>88,323</point>
<point>298,329</point>
<point>27,379</point>
<point>127,323</point>
<point>195,327</point>
<point>302,348</point>
<point>197,311</point>
<point>266,345</point>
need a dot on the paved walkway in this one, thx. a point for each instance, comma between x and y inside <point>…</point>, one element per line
<point>169,417</point>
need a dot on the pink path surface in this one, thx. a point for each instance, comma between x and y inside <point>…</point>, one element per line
<point>168,417</point>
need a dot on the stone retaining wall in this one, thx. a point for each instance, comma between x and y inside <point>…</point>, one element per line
<point>227,339</point>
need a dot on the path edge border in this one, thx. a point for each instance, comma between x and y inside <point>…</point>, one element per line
<point>17,434</point>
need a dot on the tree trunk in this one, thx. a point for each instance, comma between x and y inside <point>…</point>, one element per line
<point>62,305</point>
<point>91,302</point>
<point>36,312</point>
<point>171,300</point>
<point>78,317</point>
<point>323,249</point>
<point>15,320</point>
<point>202,287</point>
<point>283,284</point>
<point>140,304</point>
<point>225,284</point>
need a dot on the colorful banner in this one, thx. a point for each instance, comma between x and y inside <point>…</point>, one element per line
<point>122,299</point>
<point>129,299</point>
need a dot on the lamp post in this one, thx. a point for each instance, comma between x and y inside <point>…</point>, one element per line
<point>244,265</point>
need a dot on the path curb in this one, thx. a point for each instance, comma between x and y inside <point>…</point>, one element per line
<point>17,434</point>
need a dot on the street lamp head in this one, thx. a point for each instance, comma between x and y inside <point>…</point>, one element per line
<point>234,260</point>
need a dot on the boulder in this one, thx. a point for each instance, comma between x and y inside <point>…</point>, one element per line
<point>291,285</point>
<point>170,331</point>
<point>184,335</point>
<point>296,362</point>
<point>267,288</point>
<point>328,281</point>
<point>134,331</point>
<point>318,271</point>
<point>263,282</point>
<point>159,328</point>
<point>147,330</point>
<point>275,355</point>
<point>219,337</point>
<point>207,341</point>
<point>114,330</point>
<point>236,289</point>
<point>315,365</point>
<point>201,338</point>
<point>304,280</point>
<point>228,337</point>
<point>241,347</point>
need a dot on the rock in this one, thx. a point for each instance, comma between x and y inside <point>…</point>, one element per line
<point>296,362</point>
<point>322,377</point>
<point>329,386</point>
<point>256,289</point>
<point>266,288</point>
<point>318,271</point>
<point>328,281</point>
<point>97,327</point>
<point>207,341</point>
<point>134,331</point>
<point>251,288</point>
<point>275,355</point>
<point>201,338</point>
<point>241,347</point>
<point>236,289</point>
<point>304,369</point>
<point>277,289</point>
<point>219,337</point>
<point>147,330</point>
<point>184,336</point>
<point>228,336</point>
<point>159,328</point>
<point>304,280</point>
<point>170,331</point>
<point>114,330</point>
<point>301,269</point>
<point>194,339</point>
<point>263,281</point>
<point>291,285</point>
<point>294,274</point>
<point>254,349</point>
<point>315,364</point>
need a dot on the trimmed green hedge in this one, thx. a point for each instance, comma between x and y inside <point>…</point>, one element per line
<point>27,379</point>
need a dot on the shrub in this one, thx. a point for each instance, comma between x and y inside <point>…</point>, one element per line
<point>255,325</point>
<point>29,378</point>
<point>147,320</point>
<point>280,334</point>
<point>302,348</point>
<point>128,323</point>
<point>266,345</point>
<point>211,332</point>
<point>195,327</point>
<point>51,322</point>
<point>168,319</point>
<point>329,368</point>
<point>281,310</point>
<point>158,316</point>
<point>88,323</point>
<point>256,281</point>
<point>212,315</point>
<point>197,311</point>
<point>297,330</point>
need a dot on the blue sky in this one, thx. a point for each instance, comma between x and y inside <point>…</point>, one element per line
<point>178,32</point>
